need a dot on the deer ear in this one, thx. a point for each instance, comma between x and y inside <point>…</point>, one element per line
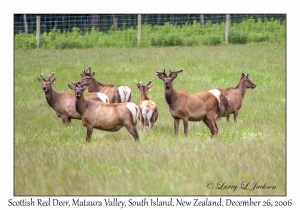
<point>93,74</point>
<point>138,85</point>
<point>39,80</point>
<point>53,81</point>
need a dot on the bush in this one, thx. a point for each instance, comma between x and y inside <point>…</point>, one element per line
<point>270,31</point>
<point>237,37</point>
<point>212,40</point>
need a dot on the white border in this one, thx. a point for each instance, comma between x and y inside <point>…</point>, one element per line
<point>154,6</point>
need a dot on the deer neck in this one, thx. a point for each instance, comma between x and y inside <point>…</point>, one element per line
<point>171,96</point>
<point>144,96</point>
<point>51,97</point>
<point>95,86</point>
<point>80,104</point>
<point>241,88</point>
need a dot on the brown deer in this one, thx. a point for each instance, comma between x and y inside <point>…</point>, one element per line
<point>231,98</point>
<point>107,117</point>
<point>63,103</point>
<point>116,94</point>
<point>190,107</point>
<point>148,108</point>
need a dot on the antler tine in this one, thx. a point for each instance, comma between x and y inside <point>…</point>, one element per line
<point>42,76</point>
<point>83,84</point>
<point>51,75</point>
<point>149,82</point>
<point>175,71</point>
<point>90,69</point>
<point>160,72</point>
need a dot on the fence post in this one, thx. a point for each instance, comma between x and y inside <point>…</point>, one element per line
<point>115,22</point>
<point>25,25</point>
<point>38,23</point>
<point>139,28</point>
<point>227,27</point>
<point>202,20</point>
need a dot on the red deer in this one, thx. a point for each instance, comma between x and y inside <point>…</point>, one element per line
<point>107,117</point>
<point>190,107</point>
<point>149,112</point>
<point>116,94</point>
<point>231,98</point>
<point>63,103</point>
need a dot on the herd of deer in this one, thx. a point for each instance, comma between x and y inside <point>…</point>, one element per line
<point>107,107</point>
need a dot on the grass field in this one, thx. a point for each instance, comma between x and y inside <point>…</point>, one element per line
<point>53,159</point>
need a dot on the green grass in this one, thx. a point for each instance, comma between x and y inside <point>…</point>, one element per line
<point>53,159</point>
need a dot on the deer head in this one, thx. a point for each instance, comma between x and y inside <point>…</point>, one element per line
<point>168,79</point>
<point>247,82</point>
<point>78,87</point>
<point>144,87</point>
<point>87,75</point>
<point>46,83</point>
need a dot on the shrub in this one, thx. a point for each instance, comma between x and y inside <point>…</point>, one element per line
<point>212,40</point>
<point>237,37</point>
<point>271,31</point>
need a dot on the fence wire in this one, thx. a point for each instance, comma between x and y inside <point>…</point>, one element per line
<point>104,22</point>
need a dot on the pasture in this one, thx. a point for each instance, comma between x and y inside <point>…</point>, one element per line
<point>53,159</point>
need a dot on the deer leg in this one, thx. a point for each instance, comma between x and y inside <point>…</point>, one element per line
<point>149,116</point>
<point>151,122</point>
<point>132,130</point>
<point>211,124</point>
<point>66,120</point>
<point>227,117</point>
<point>176,125</point>
<point>142,123</point>
<point>235,113</point>
<point>89,131</point>
<point>185,126</point>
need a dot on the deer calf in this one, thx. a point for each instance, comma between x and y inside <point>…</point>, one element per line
<point>148,108</point>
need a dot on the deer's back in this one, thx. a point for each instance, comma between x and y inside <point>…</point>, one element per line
<point>195,106</point>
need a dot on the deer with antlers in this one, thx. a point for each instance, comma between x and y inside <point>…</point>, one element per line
<point>63,103</point>
<point>190,107</point>
<point>108,117</point>
<point>148,108</point>
<point>116,94</point>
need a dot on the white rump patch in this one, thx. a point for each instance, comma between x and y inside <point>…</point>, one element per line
<point>134,109</point>
<point>216,93</point>
<point>103,97</point>
<point>124,93</point>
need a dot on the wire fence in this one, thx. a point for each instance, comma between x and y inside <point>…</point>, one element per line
<point>104,22</point>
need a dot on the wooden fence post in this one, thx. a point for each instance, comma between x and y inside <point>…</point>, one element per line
<point>25,24</point>
<point>227,27</point>
<point>139,28</point>
<point>38,23</point>
<point>202,20</point>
